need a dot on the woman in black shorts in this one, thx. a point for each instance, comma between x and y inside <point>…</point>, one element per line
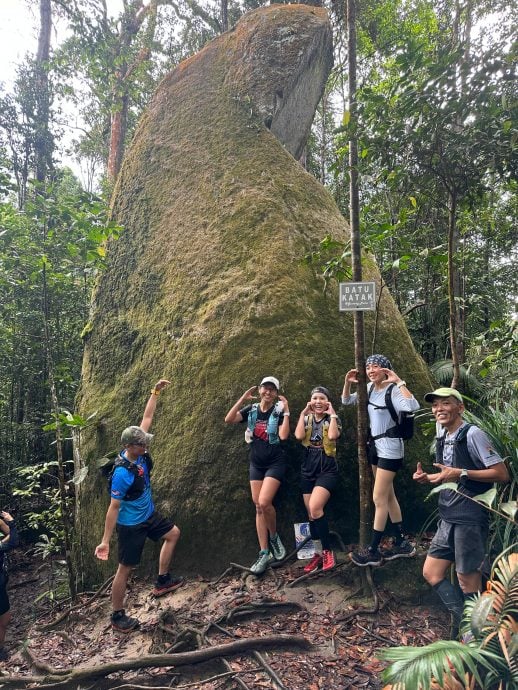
<point>268,423</point>
<point>387,456</point>
<point>318,429</point>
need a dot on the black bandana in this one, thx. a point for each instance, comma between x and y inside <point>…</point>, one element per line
<point>380,360</point>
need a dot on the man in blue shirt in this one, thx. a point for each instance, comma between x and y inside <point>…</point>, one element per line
<point>132,513</point>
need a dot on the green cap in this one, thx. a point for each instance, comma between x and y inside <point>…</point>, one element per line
<point>443,393</point>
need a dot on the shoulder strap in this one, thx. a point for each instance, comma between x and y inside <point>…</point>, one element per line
<point>121,461</point>
<point>463,432</point>
<point>389,403</point>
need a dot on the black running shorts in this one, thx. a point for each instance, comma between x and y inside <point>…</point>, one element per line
<point>133,537</point>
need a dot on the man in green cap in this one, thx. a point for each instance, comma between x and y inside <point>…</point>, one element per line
<point>464,454</point>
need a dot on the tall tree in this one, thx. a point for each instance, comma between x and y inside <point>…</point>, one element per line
<point>356,256</point>
<point>43,141</point>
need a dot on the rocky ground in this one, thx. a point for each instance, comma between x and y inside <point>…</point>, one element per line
<point>329,610</point>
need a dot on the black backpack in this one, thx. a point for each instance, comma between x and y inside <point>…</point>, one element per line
<point>404,421</point>
<point>109,464</point>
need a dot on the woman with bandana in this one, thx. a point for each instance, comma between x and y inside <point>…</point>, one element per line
<point>386,457</point>
<point>318,429</point>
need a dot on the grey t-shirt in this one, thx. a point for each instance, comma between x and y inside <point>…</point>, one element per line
<point>380,419</point>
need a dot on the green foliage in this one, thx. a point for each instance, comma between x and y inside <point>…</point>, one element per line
<point>37,485</point>
<point>62,232</point>
<point>490,658</point>
<point>416,667</point>
<point>332,260</point>
<point>442,371</point>
<point>437,122</point>
<point>495,360</point>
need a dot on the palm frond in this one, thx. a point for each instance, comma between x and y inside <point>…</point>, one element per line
<point>442,371</point>
<point>414,668</point>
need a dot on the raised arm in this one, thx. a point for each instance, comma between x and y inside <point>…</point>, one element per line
<point>350,378</point>
<point>149,411</point>
<point>233,416</point>
<point>334,430</point>
<point>284,428</point>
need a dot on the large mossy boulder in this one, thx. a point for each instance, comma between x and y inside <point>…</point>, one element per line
<point>207,287</point>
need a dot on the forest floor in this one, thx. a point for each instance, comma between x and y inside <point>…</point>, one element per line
<point>329,610</point>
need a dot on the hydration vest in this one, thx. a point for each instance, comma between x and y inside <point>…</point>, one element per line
<point>272,427</point>
<point>462,459</point>
<point>329,446</point>
<point>139,480</point>
<point>454,507</point>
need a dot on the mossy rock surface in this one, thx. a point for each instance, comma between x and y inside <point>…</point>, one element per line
<point>207,287</point>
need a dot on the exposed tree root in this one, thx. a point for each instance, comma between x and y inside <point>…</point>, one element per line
<point>65,614</point>
<point>375,597</point>
<point>269,670</point>
<point>259,608</point>
<point>61,679</point>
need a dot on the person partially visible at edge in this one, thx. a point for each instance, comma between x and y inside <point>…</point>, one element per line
<point>10,541</point>
<point>268,423</point>
<point>318,428</point>
<point>386,452</point>
<point>132,513</point>
<point>464,454</point>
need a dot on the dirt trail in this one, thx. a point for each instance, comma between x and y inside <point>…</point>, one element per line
<point>344,656</point>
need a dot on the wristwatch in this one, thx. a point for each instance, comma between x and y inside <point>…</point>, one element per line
<point>464,473</point>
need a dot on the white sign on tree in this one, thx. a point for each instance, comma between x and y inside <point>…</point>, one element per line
<point>357,296</point>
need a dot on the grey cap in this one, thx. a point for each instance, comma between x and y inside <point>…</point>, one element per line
<point>134,434</point>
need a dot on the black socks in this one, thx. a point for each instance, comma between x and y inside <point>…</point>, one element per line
<point>321,528</point>
<point>376,539</point>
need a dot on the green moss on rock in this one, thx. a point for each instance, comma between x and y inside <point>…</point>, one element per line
<point>207,287</point>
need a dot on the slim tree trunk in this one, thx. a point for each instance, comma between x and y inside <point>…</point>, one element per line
<point>453,296</point>
<point>365,480</point>
<point>63,503</point>
<point>133,19</point>
<point>43,145</point>
<point>224,16</point>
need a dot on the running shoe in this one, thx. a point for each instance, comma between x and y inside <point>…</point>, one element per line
<point>328,559</point>
<point>314,563</point>
<point>277,548</point>
<point>123,623</point>
<point>165,585</point>
<point>263,561</point>
<point>367,556</point>
<point>403,550</point>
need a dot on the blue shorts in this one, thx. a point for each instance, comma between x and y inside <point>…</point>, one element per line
<point>464,545</point>
<point>133,537</point>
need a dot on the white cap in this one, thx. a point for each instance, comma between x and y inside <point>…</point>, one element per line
<point>270,379</point>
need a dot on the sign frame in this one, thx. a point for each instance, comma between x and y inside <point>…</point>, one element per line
<point>364,296</point>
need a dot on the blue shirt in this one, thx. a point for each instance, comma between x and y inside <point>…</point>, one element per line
<point>139,510</point>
